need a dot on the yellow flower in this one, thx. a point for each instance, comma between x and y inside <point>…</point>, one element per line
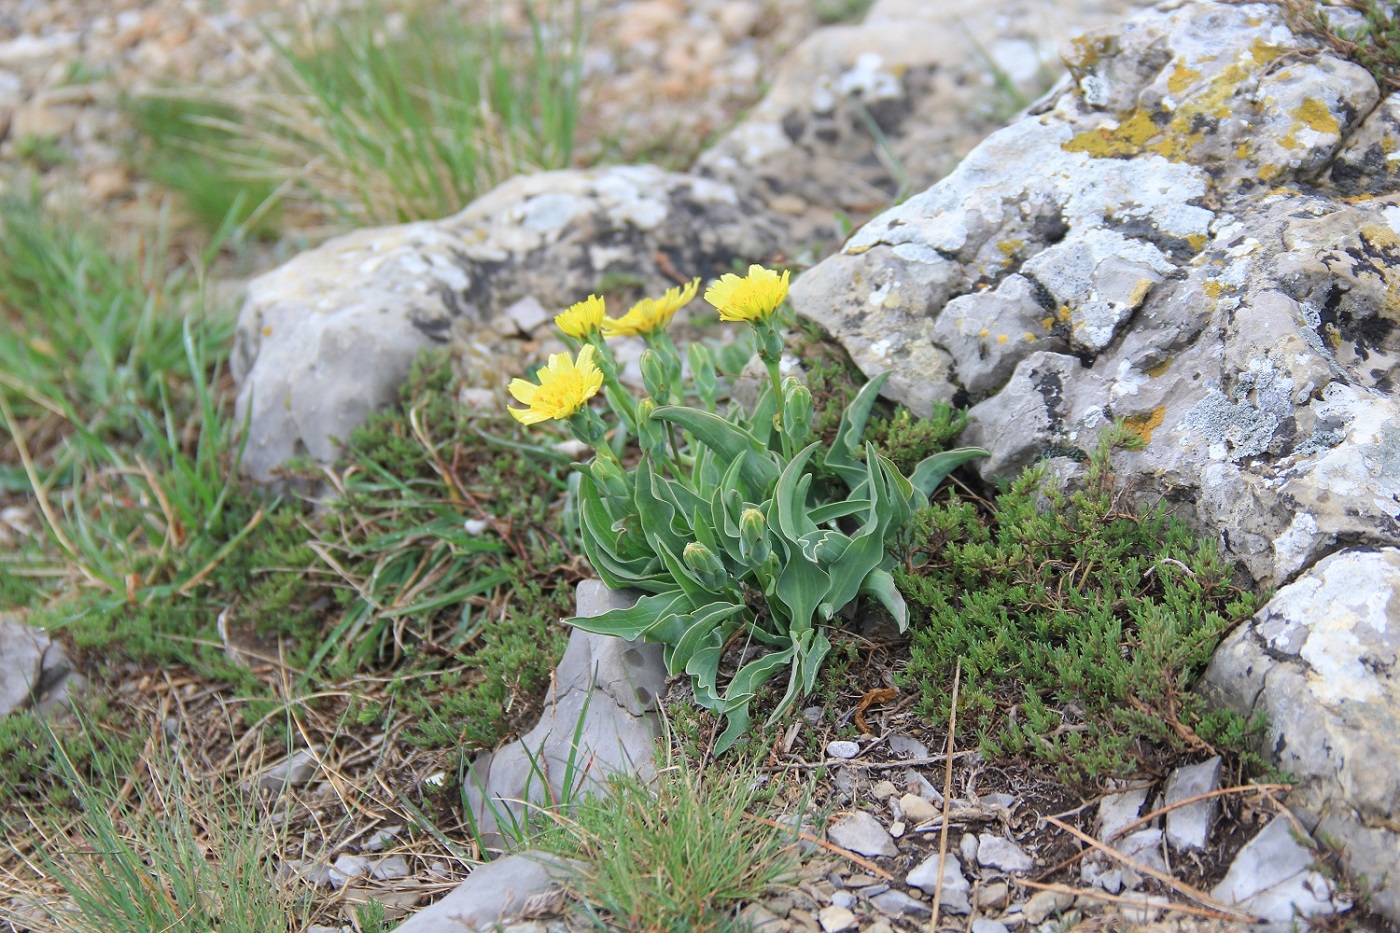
<point>565,387</point>
<point>651,314</point>
<point>583,318</point>
<point>752,298</point>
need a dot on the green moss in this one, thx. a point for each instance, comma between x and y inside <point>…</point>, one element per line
<point>1080,626</point>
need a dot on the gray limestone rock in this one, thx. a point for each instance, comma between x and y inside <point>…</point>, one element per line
<point>493,893</point>
<point>924,876</point>
<point>995,851</point>
<point>858,111</point>
<point>1272,877</point>
<point>899,904</point>
<point>1319,659</point>
<point>1120,809</point>
<point>861,833</point>
<point>599,718</point>
<point>1189,826</point>
<point>1129,253</point>
<point>328,338</point>
<point>34,670</point>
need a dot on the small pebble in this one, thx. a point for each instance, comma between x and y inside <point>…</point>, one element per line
<point>390,869</point>
<point>835,919</point>
<point>842,749</point>
<point>917,810</point>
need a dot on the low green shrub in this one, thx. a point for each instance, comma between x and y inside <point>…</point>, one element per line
<point>1080,625</point>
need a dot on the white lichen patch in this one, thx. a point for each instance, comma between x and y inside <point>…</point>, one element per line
<point>1231,430</point>
<point>1341,600</point>
<point>1295,545</point>
<point>550,213</point>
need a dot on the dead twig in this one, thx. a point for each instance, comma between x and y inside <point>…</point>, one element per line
<point>1221,792</point>
<point>947,796</point>
<point>830,847</point>
<point>1181,887</point>
<point>1128,901</point>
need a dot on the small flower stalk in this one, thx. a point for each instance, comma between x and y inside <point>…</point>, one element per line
<point>737,527</point>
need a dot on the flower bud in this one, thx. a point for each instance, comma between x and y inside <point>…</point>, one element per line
<point>651,433</point>
<point>654,375</point>
<point>797,411</point>
<point>753,536</point>
<point>608,474</point>
<point>707,567</point>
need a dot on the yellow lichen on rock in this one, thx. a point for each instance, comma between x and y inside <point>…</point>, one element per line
<point>1144,424</point>
<point>1181,77</point>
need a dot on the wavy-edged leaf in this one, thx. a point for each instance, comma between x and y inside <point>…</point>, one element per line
<point>632,622</point>
<point>602,542</point>
<point>728,441</point>
<point>705,628</point>
<point>740,694</point>
<point>801,586</point>
<point>834,510</point>
<point>790,496</point>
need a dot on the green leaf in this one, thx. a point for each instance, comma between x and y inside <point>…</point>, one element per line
<point>880,585</point>
<point>632,622</point>
<point>933,470</point>
<point>790,497</point>
<point>728,441</point>
<point>834,510</point>
<point>601,543</point>
<point>841,456</point>
<point>705,628</point>
<point>741,692</point>
<point>800,587</point>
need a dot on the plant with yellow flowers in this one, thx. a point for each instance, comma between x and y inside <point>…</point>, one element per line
<point>739,528</point>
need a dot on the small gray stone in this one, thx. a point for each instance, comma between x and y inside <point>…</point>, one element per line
<point>862,833</point>
<point>955,887</point>
<point>843,899</point>
<point>983,925</point>
<point>1272,877</point>
<point>382,839</point>
<point>346,867</point>
<point>993,896</point>
<point>967,847</point>
<point>917,810</point>
<point>842,749</point>
<point>390,869</point>
<point>1045,904</point>
<point>899,904</point>
<point>1189,827</point>
<point>836,919</point>
<point>1118,810</point>
<point>907,746</point>
<point>492,893</point>
<point>22,651</point>
<point>995,852</point>
<point>294,771</point>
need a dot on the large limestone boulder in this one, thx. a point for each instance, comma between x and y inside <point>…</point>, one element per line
<point>329,337</point>
<point>1163,245</point>
<point>1200,236</point>
<point>1319,661</point>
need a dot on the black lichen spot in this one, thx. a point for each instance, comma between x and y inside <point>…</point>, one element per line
<point>1051,388</point>
<point>1049,228</point>
<point>434,328</point>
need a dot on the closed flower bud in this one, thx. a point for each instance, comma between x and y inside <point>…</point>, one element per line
<point>797,411</point>
<point>707,567</point>
<point>651,434</point>
<point>654,374</point>
<point>607,473</point>
<point>753,536</point>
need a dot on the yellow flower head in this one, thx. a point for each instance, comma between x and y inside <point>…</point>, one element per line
<point>583,318</point>
<point>565,387</point>
<point>752,298</point>
<point>651,314</point>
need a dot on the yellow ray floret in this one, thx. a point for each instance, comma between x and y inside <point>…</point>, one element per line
<point>651,314</point>
<point>564,388</point>
<point>752,298</point>
<point>582,319</point>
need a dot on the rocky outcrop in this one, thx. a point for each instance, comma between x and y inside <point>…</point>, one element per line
<point>1319,660</point>
<point>1162,245</point>
<point>1201,237</point>
<point>329,337</point>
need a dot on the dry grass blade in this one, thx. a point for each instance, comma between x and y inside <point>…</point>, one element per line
<point>830,847</point>
<point>1122,901</point>
<point>947,795</point>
